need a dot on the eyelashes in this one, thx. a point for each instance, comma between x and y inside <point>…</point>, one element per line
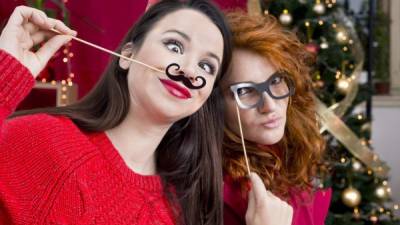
<point>174,46</point>
<point>177,47</point>
<point>276,80</point>
<point>208,67</point>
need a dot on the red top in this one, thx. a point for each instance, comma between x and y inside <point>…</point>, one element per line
<point>307,209</point>
<point>53,173</point>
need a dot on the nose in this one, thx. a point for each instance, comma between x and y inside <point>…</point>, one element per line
<point>189,70</point>
<point>269,104</point>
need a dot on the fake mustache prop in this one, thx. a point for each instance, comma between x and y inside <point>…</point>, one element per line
<point>181,77</point>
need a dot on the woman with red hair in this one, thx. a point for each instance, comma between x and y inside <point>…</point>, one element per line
<point>269,82</point>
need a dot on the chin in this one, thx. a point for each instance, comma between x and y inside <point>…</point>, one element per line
<point>169,113</point>
<point>270,138</point>
<point>269,142</point>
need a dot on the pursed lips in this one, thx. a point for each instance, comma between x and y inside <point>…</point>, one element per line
<point>272,123</point>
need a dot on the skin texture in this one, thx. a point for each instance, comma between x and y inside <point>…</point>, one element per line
<point>265,125</point>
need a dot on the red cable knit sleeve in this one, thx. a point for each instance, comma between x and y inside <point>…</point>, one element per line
<point>15,84</point>
<point>37,185</point>
<point>38,167</point>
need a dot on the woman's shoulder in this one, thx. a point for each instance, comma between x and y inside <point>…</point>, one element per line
<point>310,207</point>
<point>42,137</point>
<point>37,126</point>
<point>310,197</point>
<point>39,158</point>
<point>235,201</point>
<point>36,119</point>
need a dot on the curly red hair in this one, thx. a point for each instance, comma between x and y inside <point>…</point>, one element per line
<point>294,160</point>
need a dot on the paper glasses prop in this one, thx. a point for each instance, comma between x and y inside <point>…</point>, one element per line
<point>181,76</point>
<point>250,95</point>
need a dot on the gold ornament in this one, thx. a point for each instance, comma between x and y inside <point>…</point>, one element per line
<point>343,85</point>
<point>341,36</point>
<point>356,213</point>
<point>381,192</point>
<point>351,197</point>
<point>373,218</point>
<point>285,18</point>
<point>324,45</point>
<point>319,8</point>
<point>357,166</point>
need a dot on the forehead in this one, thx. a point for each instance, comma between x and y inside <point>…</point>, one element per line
<point>201,30</point>
<point>249,66</point>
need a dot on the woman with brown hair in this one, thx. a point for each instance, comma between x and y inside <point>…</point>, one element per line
<point>138,148</point>
<point>268,80</point>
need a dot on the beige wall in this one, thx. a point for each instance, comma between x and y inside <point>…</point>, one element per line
<point>395,46</point>
<point>386,142</point>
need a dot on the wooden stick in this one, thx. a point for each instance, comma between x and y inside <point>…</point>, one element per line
<point>109,51</point>
<point>241,135</point>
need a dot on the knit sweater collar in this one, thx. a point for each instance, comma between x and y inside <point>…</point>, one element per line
<point>111,154</point>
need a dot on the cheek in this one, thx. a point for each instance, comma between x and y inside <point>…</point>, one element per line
<point>283,107</point>
<point>231,120</point>
<point>248,118</point>
<point>205,92</point>
<point>146,55</point>
<point>135,77</point>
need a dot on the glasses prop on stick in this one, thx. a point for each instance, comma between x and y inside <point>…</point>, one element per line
<point>249,95</point>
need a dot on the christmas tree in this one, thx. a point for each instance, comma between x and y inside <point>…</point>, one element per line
<point>358,178</point>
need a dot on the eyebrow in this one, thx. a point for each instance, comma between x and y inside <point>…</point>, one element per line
<point>187,38</point>
<point>212,55</point>
<point>278,72</point>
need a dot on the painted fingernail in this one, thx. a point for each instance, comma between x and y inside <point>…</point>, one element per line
<point>248,184</point>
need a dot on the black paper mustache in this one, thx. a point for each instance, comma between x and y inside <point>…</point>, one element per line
<point>182,77</point>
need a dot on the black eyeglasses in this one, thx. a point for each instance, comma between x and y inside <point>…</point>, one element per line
<point>250,95</point>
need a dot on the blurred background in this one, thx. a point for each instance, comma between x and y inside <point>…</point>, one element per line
<point>356,80</point>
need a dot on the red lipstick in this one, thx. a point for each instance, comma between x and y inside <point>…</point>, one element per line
<point>176,90</point>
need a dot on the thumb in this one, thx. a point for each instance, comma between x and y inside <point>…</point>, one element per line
<point>251,207</point>
<point>258,188</point>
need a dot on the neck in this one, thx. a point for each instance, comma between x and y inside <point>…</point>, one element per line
<point>136,139</point>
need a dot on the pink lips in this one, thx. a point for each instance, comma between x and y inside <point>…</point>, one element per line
<point>176,90</point>
<point>272,123</point>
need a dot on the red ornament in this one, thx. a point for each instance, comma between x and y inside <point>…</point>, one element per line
<point>312,48</point>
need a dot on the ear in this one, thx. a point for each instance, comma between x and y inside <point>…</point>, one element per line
<point>127,50</point>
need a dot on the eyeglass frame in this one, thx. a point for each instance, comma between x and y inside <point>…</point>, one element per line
<point>261,88</point>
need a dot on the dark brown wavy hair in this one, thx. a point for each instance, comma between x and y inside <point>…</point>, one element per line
<point>293,161</point>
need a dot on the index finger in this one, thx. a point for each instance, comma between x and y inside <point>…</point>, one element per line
<point>22,14</point>
<point>60,26</point>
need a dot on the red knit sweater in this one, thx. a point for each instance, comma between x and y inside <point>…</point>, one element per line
<point>53,173</point>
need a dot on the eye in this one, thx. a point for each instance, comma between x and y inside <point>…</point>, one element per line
<point>174,45</point>
<point>208,67</point>
<point>276,80</point>
<point>244,91</point>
